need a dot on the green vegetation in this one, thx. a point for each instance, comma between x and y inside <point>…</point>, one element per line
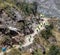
<point>50,27</point>
<point>54,50</point>
<point>26,8</point>
<point>37,52</point>
<point>14,51</point>
<point>47,33</point>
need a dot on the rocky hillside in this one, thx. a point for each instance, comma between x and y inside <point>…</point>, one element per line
<point>48,7</point>
<point>27,27</point>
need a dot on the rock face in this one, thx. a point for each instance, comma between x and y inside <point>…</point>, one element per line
<point>48,7</point>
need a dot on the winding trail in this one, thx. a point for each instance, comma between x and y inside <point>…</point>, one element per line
<point>29,38</point>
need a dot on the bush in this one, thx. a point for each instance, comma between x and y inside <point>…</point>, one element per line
<point>47,33</point>
<point>14,52</point>
<point>54,50</point>
<point>37,52</point>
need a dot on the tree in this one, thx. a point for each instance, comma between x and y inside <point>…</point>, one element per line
<point>34,9</point>
<point>50,27</point>
<point>46,34</point>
